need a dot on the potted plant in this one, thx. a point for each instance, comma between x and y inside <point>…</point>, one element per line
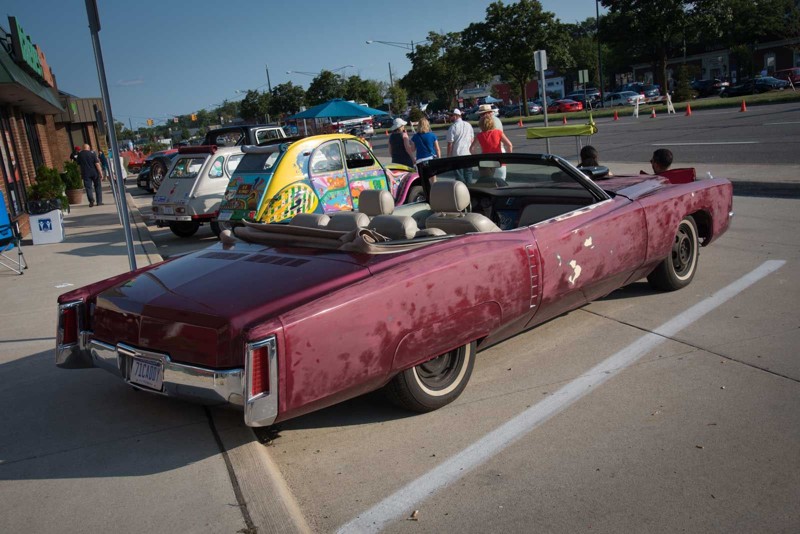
<point>73,182</point>
<point>47,193</point>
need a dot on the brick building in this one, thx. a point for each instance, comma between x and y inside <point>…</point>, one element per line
<point>38,124</point>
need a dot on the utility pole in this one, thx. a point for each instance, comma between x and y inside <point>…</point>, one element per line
<point>269,84</point>
<point>599,55</point>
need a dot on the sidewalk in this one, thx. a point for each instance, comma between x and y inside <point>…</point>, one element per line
<point>82,452</point>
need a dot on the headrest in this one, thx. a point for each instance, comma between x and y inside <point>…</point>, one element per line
<point>375,202</point>
<point>345,221</point>
<point>449,196</point>
<point>394,226</point>
<point>310,220</point>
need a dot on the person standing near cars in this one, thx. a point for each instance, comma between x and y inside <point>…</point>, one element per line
<point>401,149</point>
<point>426,142</point>
<point>459,139</point>
<point>92,175</point>
<point>491,141</point>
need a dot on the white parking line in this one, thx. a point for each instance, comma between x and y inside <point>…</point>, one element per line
<point>403,502</point>
<point>709,143</point>
<point>776,123</point>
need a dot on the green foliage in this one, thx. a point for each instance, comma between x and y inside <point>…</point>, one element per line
<point>359,90</point>
<point>683,90</point>
<point>287,99</point>
<point>325,86</point>
<point>742,57</point>
<point>415,114</point>
<point>72,175</point>
<point>48,186</point>
<point>510,35</point>
<point>442,67</point>
<point>255,106</point>
<point>399,98</point>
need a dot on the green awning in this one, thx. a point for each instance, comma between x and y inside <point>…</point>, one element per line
<point>18,88</point>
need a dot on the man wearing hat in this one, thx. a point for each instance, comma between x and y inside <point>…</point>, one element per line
<point>459,138</point>
<point>401,149</point>
<point>487,108</point>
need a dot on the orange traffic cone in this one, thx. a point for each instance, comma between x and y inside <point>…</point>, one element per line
<point>520,123</point>
<point>653,114</point>
<point>688,110</point>
<point>744,106</point>
<point>616,115</point>
<point>564,119</point>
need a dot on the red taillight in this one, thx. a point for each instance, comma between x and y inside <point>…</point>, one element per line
<point>259,371</point>
<point>69,325</point>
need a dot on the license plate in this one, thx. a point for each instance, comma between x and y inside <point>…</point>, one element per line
<point>168,210</point>
<point>147,373</point>
<point>225,216</point>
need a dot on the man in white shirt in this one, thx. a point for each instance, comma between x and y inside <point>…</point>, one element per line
<point>459,138</point>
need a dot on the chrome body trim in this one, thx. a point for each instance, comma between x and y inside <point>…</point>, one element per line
<point>261,409</point>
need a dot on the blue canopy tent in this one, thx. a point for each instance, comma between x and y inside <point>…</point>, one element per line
<point>337,108</point>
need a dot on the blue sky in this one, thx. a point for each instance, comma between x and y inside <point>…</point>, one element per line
<point>166,58</point>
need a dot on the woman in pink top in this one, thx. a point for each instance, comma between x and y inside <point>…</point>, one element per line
<point>491,140</point>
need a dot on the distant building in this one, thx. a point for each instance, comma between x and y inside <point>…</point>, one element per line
<point>39,125</point>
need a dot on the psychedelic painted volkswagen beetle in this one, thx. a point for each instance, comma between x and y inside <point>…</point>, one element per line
<point>319,174</point>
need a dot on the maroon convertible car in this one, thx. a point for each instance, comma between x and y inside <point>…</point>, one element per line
<point>284,319</point>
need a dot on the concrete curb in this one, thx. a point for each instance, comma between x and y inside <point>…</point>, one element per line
<point>270,503</point>
<point>766,189</point>
<point>140,227</point>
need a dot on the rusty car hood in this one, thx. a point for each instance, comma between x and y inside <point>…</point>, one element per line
<point>195,308</point>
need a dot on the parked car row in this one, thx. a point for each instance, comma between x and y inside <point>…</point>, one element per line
<point>754,86</point>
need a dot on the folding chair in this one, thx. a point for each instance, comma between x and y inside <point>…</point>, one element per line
<point>9,238</point>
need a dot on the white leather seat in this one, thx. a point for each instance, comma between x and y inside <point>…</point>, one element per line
<point>449,201</point>
<point>346,221</point>
<point>373,202</point>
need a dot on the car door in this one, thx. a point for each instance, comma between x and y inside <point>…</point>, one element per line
<point>363,170</point>
<point>329,177</point>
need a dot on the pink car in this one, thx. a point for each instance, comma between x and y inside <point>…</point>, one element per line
<point>285,319</point>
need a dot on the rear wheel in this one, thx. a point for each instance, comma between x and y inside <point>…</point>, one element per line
<point>677,270</point>
<point>184,228</point>
<point>415,194</point>
<point>157,172</point>
<point>435,383</point>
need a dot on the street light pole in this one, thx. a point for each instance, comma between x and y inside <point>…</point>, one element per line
<point>269,84</point>
<point>599,54</point>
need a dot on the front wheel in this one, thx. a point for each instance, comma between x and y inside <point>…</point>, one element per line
<point>435,383</point>
<point>677,270</point>
<point>184,228</point>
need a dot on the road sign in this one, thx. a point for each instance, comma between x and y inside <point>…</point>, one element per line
<point>583,76</point>
<point>540,60</point>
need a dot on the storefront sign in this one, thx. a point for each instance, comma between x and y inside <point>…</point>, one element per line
<point>27,55</point>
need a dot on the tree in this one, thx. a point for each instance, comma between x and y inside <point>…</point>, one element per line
<point>510,35</point>
<point>359,90</point>
<point>652,31</point>
<point>325,86</point>
<point>286,99</point>
<point>442,67</point>
<point>255,106</point>
<point>398,97</point>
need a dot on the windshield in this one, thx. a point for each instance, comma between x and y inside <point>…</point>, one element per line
<point>186,168</point>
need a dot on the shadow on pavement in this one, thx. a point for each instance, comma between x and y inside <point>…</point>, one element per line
<point>65,424</point>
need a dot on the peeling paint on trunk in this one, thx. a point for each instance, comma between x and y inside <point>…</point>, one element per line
<point>576,271</point>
